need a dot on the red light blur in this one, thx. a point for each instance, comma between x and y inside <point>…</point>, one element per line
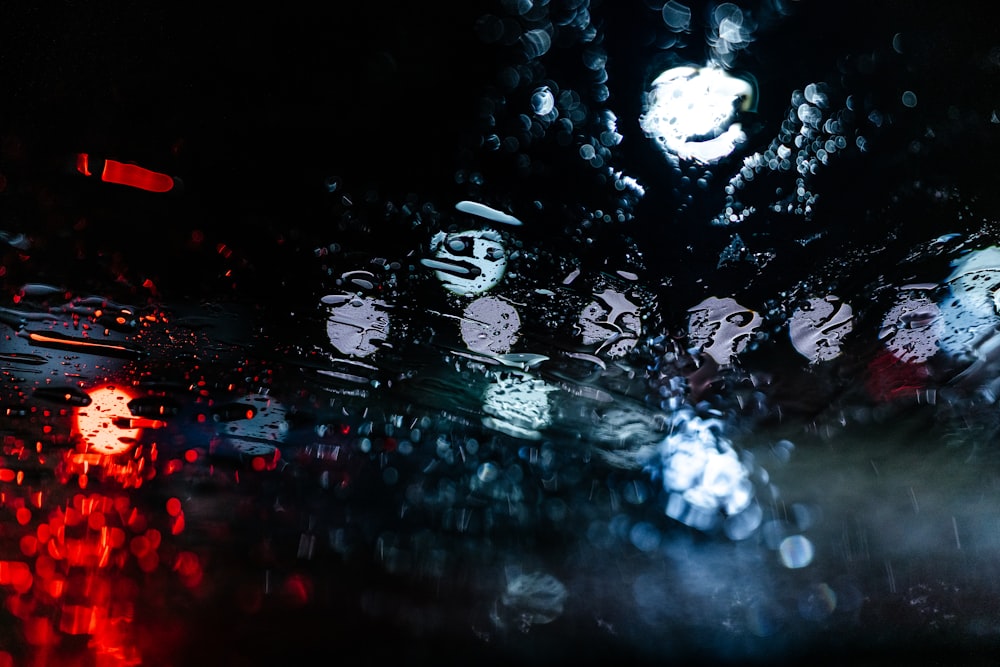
<point>126,174</point>
<point>136,177</point>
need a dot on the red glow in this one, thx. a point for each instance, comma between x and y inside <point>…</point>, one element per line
<point>16,574</point>
<point>177,524</point>
<point>23,515</point>
<point>136,177</point>
<point>298,589</point>
<point>890,378</point>
<point>96,521</point>
<point>188,566</point>
<point>83,164</point>
<point>173,506</point>
<point>38,631</point>
<point>29,545</point>
<point>139,546</point>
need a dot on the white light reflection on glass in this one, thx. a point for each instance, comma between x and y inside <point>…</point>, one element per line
<point>611,320</point>
<point>490,325</point>
<point>818,327</point>
<point>691,112</point>
<point>468,263</point>
<point>912,328</point>
<point>357,325</point>
<point>969,311</point>
<point>704,476</point>
<point>722,328</point>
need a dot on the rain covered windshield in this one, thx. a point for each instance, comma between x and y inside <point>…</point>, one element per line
<point>506,332</point>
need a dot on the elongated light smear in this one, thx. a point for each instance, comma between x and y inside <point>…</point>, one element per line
<point>484,211</point>
<point>131,175</point>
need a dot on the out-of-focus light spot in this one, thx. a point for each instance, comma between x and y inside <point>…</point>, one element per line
<point>149,562</point>
<point>764,618</point>
<point>691,112</point>
<point>796,551</point>
<point>96,520</point>
<point>518,403</point>
<point>897,42</point>
<point>16,574</point>
<point>177,523</point>
<point>817,328</point>
<point>297,589</point>
<point>722,328</point>
<point>490,325</point>
<point>488,472</point>
<point>357,325</point>
<point>817,602</point>
<point>28,545</point>
<point>644,536</point>
<point>912,328</point>
<point>173,506</point>
<point>676,16</point>
<point>543,102</point>
<point>536,43</point>
<point>105,425</point>
<point>703,475</point>
<point>139,546</point>
<point>188,566</point>
<point>468,263</point>
<point>909,99</point>
<point>732,31</point>
<point>611,320</point>
<point>743,525</point>
<point>533,598</point>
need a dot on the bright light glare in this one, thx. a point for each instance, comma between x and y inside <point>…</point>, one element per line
<point>691,111</point>
<point>702,473</point>
<point>105,424</point>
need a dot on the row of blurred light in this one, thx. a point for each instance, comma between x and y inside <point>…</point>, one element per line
<point>704,474</point>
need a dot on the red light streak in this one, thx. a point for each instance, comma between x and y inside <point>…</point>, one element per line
<point>83,164</point>
<point>98,347</point>
<point>135,176</point>
<point>122,173</point>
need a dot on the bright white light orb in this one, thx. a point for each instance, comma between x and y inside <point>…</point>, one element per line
<point>691,112</point>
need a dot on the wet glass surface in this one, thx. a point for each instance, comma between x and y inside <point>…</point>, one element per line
<point>505,332</point>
